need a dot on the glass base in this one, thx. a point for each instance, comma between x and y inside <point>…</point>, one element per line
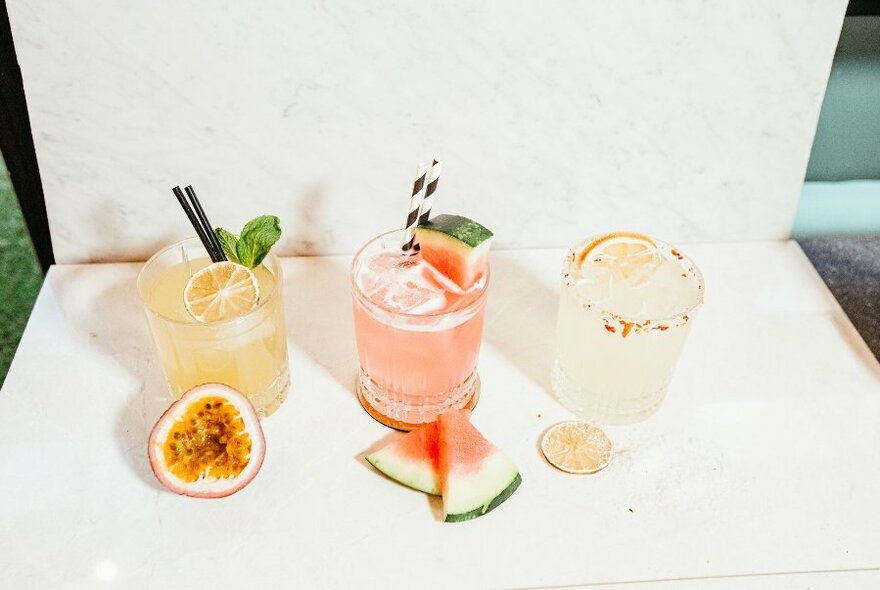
<point>404,419</point>
<point>605,407</point>
<point>270,400</point>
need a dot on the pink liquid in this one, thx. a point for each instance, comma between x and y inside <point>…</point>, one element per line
<point>418,336</point>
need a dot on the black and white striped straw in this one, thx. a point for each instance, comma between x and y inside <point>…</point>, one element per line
<point>433,179</point>
<point>409,232</point>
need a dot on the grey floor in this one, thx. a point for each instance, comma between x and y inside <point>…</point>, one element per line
<point>850,266</point>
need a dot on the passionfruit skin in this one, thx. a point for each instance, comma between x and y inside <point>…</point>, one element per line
<point>170,421</point>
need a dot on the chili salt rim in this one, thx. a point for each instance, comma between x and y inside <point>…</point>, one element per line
<point>675,255</point>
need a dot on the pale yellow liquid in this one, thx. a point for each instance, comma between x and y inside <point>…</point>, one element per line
<point>247,353</point>
<point>603,375</point>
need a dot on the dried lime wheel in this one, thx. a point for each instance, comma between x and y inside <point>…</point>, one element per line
<point>577,447</point>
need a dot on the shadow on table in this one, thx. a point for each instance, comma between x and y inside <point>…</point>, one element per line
<point>521,319</point>
<point>435,503</point>
<point>319,316</point>
<point>111,319</point>
<point>317,296</point>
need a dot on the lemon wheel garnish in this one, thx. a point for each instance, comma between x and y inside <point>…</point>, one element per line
<point>634,256</point>
<point>577,447</point>
<point>221,291</point>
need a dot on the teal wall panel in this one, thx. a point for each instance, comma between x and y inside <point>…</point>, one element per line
<point>847,143</point>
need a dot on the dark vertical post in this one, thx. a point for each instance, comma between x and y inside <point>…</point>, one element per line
<point>863,8</point>
<point>17,145</point>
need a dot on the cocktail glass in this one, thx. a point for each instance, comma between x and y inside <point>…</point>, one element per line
<point>418,339</point>
<point>248,353</point>
<point>619,337</point>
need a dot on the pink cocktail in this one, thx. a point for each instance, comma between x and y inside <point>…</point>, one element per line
<point>418,334</point>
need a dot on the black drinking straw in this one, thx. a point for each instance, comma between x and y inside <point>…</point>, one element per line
<point>209,230</point>
<point>209,246</point>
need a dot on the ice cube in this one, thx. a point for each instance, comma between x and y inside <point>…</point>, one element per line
<point>441,281</point>
<point>381,262</point>
<point>399,283</point>
<point>379,272</point>
<point>412,297</point>
<point>593,286</point>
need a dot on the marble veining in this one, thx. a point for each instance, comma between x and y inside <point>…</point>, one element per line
<point>687,120</point>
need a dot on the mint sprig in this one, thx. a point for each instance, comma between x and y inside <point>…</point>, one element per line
<point>256,239</point>
<point>228,242</point>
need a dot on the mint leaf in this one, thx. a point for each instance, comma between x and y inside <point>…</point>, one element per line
<point>257,238</point>
<point>228,242</point>
<point>245,253</point>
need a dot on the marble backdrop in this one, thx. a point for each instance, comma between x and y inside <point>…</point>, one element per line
<point>689,120</point>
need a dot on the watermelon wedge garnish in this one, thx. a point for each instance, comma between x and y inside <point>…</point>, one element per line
<point>456,246</point>
<point>475,477</point>
<point>411,459</point>
<point>452,457</point>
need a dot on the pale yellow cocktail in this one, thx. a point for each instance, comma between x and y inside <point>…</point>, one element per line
<point>248,353</point>
<point>625,309</point>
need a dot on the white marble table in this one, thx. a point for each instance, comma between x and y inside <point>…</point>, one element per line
<point>762,470</point>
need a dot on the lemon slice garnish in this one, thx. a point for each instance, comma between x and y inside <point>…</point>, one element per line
<point>634,256</point>
<point>577,447</point>
<point>221,291</point>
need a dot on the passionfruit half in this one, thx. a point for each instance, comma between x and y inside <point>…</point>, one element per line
<point>207,444</point>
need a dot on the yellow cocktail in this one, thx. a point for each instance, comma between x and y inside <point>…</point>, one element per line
<point>248,353</point>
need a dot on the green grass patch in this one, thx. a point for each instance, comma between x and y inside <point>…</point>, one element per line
<point>20,276</point>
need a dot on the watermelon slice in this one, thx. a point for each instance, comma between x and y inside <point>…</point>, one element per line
<point>475,477</point>
<point>411,459</point>
<point>456,246</point>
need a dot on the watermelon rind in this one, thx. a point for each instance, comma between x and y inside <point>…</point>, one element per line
<point>414,474</point>
<point>477,512</point>
<point>411,459</point>
<point>466,231</point>
<point>471,495</point>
